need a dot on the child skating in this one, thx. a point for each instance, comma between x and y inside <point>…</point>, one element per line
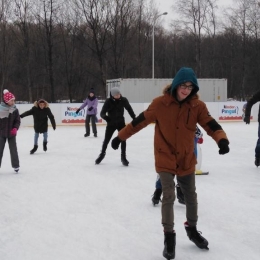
<point>40,112</point>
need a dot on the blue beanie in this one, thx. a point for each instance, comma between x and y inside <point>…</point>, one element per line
<point>185,75</point>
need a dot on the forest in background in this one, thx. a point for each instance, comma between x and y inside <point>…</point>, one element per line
<point>59,49</point>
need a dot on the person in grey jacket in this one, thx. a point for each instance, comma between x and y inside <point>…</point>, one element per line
<point>9,125</point>
<point>254,99</point>
<point>91,102</point>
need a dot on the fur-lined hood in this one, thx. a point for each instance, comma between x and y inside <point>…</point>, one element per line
<point>36,103</point>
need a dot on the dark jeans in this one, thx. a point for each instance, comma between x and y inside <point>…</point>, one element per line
<point>187,184</point>
<point>110,129</point>
<point>91,118</point>
<point>12,148</point>
<point>257,148</point>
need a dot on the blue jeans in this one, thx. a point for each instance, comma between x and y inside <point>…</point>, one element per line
<point>36,136</point>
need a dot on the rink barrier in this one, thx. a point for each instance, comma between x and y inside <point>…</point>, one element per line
<point>65,113</point>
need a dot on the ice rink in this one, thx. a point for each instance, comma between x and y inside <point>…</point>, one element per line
<point>61,206</point>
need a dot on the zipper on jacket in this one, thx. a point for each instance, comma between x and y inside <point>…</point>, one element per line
<point>188,116</point>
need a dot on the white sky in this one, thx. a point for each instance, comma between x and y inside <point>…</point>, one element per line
<point>61,206</point>
<point>165,6</point>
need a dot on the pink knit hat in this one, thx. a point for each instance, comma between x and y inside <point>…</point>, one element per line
<point>8,96</point>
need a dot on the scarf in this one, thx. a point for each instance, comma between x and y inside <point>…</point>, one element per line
<point>5,110</point>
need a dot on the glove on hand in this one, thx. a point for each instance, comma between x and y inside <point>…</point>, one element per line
<point>200,141</point>
<point>107,119</point>
<point>14,132</point>
<point>223,146</point>
<point>21,116</point>
<point>247,119</point>
<point>54,127</point>
<point>90,108</point>
<point>115,143</point>
<point>77,111</point>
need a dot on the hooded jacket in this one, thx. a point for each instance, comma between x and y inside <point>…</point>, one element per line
<point>40,117</point>
<point>175,126</point>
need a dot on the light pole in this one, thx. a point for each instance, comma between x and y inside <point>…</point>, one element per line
<point>154,20</point>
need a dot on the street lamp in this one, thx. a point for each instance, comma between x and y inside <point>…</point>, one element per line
<point>154,20</point>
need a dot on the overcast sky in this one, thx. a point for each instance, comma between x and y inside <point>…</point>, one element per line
<point>165,6</point>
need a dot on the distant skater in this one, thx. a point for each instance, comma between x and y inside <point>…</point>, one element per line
<point>40,112</point>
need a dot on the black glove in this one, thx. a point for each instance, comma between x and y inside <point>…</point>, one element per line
<point>107,118</point>
<point>223,146</point>
<point>21,116</point>
<point>115,143</point>
<point>54,127</point>
<point>247,120</point>
<point>77,111</point>
<point>90,108</point>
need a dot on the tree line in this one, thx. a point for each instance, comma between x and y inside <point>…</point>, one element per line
<point>60,49</point>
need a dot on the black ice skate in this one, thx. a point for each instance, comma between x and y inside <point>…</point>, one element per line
<point>156,196</point>
<point>196,237</point>
<point>257,161</point>
<point>124,160</point>
<point>34,149</point>
<point>180,195</point>
<point>86,134</point>
<point>44,146</point>
<point>95,135</point>
<point>16,169</point>
<point>169,245</point>
<point>100,158</point>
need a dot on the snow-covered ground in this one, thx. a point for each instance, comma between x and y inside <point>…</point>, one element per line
<point>61,206</point>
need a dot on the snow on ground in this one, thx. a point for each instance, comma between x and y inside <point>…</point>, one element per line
<point>63,206</point>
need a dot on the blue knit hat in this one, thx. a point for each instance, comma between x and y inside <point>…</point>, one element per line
<point>185,75</point>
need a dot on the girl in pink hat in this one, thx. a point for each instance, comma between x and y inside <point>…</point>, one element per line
<point>9,125</point>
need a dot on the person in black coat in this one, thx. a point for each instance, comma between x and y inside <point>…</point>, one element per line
<point>254,99</point>
<point>113,113</point>
<point>40,112</point>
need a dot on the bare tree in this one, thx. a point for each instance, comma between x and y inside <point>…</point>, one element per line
<point>5,41</point>
<point>196,17</point>
<point>22,14</point>
<point>97,14</point>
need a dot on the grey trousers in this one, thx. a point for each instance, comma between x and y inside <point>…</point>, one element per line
<point>187,184</point>
<point>12,148</point>
<point>91,118</point>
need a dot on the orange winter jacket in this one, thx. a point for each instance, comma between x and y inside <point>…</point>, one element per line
<point>175,126</point>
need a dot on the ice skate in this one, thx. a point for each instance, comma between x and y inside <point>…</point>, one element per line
<point>124,160</point>
<point>196,237</point>
<point>169,245</point>
<point>44,146</point>
<point>156,196</point>
<point>34,149</point>
<point>100,158</point>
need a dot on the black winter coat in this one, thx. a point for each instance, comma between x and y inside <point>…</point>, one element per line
<point>40,118</point>
<point>113,110</point>
<point>254,99</point>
